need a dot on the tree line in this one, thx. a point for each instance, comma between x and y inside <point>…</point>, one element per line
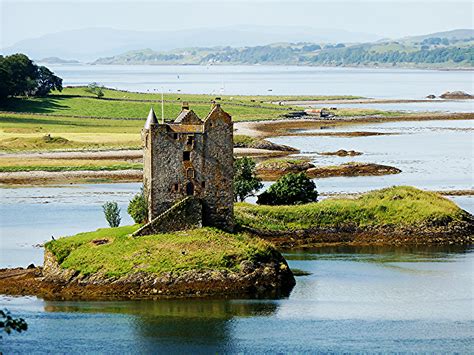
<point>357,55</point>
<point>20,76</point>
<point>339,55</point>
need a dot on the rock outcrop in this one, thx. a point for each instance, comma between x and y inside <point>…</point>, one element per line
<point>253,279</point>
<point>456,95</point>
<point>352,169</point>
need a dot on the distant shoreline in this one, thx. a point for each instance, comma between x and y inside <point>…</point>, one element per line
<point>401,67</point>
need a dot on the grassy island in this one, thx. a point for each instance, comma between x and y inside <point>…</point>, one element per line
<point>110,263</point>
<point>114,252</point>
<point>396,215</point>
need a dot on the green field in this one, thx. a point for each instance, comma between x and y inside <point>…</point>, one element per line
<point>395,206</point>
<point>199,249</point>
<point>79,121</point>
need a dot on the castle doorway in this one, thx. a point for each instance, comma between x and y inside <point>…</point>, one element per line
<point>189,189</point>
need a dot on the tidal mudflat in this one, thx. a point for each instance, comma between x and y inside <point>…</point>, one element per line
<point>433,155</point>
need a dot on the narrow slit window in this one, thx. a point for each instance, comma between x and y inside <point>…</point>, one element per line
<point>203,184</point>
<point>189,189</point>
<point>175,136</point>
<point>176,187</point>
<point>190,173</point>
<point>186,156</point>
<point>190,140</point>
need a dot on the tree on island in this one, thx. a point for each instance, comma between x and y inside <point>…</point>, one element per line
<point>95,89</point>
<point>290,189</point>
<point>112,213</point>
<point>246,182</point>
<point>19,76</point>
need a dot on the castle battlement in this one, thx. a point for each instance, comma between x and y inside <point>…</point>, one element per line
<point>190,157</point>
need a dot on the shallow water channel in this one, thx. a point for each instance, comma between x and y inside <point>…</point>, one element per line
<point>434,155</point>
<point>355,299</point>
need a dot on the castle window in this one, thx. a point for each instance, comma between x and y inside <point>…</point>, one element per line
<point>190,140</point>
<point>190,173</point>
<point>203,184</point>
<point>176,187</point>
<point>175,136</point>
<point>186,156</point>
<point>189,189</point>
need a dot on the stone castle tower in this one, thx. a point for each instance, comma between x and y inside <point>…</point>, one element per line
<point>190,157</point>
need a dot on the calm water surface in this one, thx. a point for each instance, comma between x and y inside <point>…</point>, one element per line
<point>269,80</point>
<point>432,106</point>
<point>355,300</point>
<point>435,155</point>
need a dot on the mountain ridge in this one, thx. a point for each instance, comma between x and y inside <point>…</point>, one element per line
<point>99,42</point>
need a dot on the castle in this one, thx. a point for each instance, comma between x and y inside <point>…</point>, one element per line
<point>188,160</point>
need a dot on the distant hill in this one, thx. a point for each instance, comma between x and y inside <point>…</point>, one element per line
<point>56,60</point>
<point>459,34</point>
<point>89,44</point>
<point>453,49</point>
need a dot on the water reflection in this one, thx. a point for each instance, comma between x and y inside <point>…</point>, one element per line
<point>381,254</point>
<point>176,325</point>
<point>356,299</point>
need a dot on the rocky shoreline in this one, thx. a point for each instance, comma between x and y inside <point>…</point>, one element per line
<point>254,279</point>
<point>451,234</point>
<point>271,170</point>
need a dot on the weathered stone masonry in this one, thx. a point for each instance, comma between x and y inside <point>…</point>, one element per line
<point>190,157</point>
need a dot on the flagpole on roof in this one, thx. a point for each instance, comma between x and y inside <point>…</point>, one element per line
<point>162,107</point>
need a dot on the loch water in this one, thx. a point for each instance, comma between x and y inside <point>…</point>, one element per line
<point>354,300</point>
<point>393,83</point>
<point>372,299</point>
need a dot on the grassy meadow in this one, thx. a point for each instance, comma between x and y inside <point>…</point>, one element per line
<point>82,121</point>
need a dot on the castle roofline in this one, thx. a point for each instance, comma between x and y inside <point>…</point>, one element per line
<point>218,112</point>
<point>151,119</point>
<point>187,116</point>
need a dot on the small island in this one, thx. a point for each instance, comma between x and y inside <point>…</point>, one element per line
<point>110,263</point>
<point>400,215</point>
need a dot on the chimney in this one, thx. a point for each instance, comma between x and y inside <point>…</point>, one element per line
<point>185,106</point>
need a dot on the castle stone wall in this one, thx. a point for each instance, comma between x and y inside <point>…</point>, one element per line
<point>191,158</point>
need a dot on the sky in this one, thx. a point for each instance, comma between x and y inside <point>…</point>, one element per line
<point>24,19</point>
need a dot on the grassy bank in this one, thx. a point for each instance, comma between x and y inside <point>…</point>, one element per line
<point>121,254</point>
<point>126,105</point>
<point>396,206</point>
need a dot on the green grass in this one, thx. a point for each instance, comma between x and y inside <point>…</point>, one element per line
<point>122,166</point>
<point>69,103</point>
<point>116,121</point>
<point>395,206</point>
<point>199,249</point>
<point>349,112</point>
<point>232,99</point>
<point>245,141</point>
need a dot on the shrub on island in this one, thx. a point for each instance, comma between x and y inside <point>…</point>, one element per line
<point>138,208</point>
<point>290,189</point>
